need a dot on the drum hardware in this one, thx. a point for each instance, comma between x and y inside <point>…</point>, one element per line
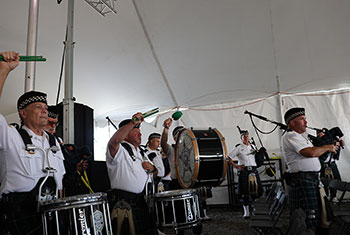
<point>48,170</point>
<point>200,156</point>
<point>177,208</point>
<point>81,214</point>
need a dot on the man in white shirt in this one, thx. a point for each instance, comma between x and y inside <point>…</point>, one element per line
<point>22,168</point>
<point>127,167</point>
<point>249,190</point>
<point>153,153</point>
<point>303,167</point>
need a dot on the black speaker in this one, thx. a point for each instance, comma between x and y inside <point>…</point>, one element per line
<point>98,176</point>
<point>83,125</point>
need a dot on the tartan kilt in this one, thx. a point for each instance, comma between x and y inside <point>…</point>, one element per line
<point>305,194</point>
<point>334,168</point>
<point>243,182</point>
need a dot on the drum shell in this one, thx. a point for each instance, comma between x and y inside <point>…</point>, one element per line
<point>206,163</point>
<point>177,208</point>
<point>78,215</point>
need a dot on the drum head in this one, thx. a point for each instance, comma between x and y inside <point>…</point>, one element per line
<point>200,147</point>
<point>186,156</point>
<point>74,201</point>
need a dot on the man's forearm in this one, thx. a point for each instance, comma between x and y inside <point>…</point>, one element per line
<point>118,137</point>
<point>316,151</point>
<point>164,140</point>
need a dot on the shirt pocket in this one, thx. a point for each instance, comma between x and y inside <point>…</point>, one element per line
<point>32,163</point>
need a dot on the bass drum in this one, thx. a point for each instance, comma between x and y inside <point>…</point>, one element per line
<point>200,158</point>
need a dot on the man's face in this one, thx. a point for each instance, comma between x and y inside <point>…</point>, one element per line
<point>154,143</point>
<point>51,125</point>
<point>134,136</point>
<point>245,139</point>
<point>35,115</point>
<point>298,124</point>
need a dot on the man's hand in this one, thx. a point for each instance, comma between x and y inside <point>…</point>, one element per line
<point>137,118</point>
<point>82,165</point>
<point>148,166</point>
<point>11,60</point>
<point>167,123</point>
<point>334,148</point>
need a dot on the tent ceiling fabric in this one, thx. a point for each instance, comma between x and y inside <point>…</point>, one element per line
<point>211,51</point>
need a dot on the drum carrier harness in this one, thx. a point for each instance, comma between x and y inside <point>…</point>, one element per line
<point>46,188</point>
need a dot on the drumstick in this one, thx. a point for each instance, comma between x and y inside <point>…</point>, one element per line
<point>28,58</point>
<point>148,113</point>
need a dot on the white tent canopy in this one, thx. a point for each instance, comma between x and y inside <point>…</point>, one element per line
<point>215,57</point>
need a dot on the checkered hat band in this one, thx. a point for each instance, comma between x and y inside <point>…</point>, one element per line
<point>30,100</point>
<point>294,115</point>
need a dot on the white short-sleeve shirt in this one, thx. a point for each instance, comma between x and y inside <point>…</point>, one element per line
<point>20,170</point>
<point>245,155</point>
<point>157,161</point>
<point>125,173</point>
<point>292,143</point>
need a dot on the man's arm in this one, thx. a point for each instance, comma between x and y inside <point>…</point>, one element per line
<point>164,139</point>
<point>318,151</point>
<point>122,133</point>
<point>10,62</point>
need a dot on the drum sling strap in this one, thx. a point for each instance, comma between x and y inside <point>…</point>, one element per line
<point>128,148</point>
<point>121,211</point>
<point>48,188</point>
<point>27,139</point>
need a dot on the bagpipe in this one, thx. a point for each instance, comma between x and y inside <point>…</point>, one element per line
<point>259,154</point>
<point>331,136</point>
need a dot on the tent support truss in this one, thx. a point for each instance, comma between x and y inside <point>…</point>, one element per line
<point>103,6</point>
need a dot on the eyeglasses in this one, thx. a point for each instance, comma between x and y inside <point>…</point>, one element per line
<point>53,123</point>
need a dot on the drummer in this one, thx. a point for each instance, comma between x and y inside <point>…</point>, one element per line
<point>127,167</point>
<point>21,169</point>
<point>153,153</point>
<point>169,150</point>
<point>249,184</point>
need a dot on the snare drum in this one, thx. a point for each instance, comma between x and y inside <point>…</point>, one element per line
<point>177,208</point>
<point>200,158</point>
<point>77,215</point>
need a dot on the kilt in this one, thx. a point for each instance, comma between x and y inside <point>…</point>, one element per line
<point>143,220</point>
<point>304,194</point>
<point>19,213</point>
<point>243,181</point>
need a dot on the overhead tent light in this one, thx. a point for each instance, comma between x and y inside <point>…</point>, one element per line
<point>103,6</point>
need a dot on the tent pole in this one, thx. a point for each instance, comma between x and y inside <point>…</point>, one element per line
<point>32,33</point>
<point>68,101</point>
